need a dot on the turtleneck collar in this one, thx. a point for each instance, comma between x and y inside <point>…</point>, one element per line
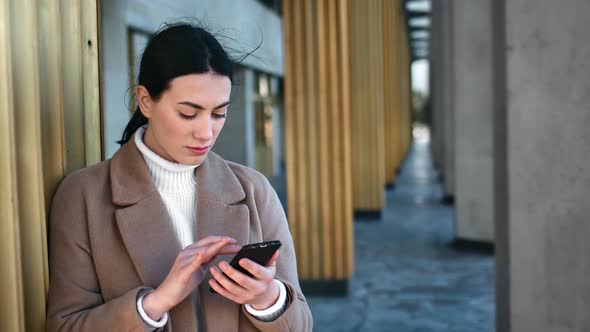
<point>168,176</point>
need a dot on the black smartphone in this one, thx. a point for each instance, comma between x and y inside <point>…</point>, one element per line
<point>260,253</point>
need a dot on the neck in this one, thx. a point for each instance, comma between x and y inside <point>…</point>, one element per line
<point>168,176</point>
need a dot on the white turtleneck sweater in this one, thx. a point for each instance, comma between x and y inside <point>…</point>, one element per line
<point>176,184</point>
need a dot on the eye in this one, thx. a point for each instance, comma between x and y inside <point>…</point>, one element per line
<point>219,116</point>
<point>187,117</point>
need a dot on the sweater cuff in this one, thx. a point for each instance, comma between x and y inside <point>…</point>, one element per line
<point>272,313</point>
<point>150,323</point>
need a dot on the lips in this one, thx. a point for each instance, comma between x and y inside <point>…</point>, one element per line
<point>198,150</point>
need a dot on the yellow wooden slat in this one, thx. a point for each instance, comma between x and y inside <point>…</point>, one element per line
<point>300,126</point>
<point>396,80</point>
<point>92,117</point>
<point>320,117</point>
<point>51,107</point>
<point>355,50</point>
<point>29,163</point>
<point>367,106</point>
<point>51,90</point>
<point>335,143</point>
<point>388,86</point>
<point>73,79</point>
<point>12,309</point>
<point>310,114</point>
<point>346,146</point>
<point>289,127</point>
<point>378,97</point>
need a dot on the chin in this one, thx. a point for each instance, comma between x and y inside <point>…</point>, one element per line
<point>194,160</point>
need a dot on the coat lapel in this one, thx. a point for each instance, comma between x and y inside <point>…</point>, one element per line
<point>142,219</point>
<point>220,211</point>
<point>145,227</point>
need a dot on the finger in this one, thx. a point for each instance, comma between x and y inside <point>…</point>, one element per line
<point>239,278</point>
<point>212,239</point>
<point>229,249</point>
<point>189,252</point>
<point>225,281</point>
<point>272,261</point>
<point>223,292</point>
<point>213,250</point>
<point>194,264</point>
<point>258,271</point>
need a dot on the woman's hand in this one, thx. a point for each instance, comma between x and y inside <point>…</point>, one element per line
<point>186,274</point>
<point>258,291</point>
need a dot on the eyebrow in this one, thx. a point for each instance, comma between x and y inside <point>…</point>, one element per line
<point>199,107</point>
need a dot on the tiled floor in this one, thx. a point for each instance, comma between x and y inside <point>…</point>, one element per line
<point>407,277</point>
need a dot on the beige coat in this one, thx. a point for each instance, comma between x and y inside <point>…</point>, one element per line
<point>110,237</point>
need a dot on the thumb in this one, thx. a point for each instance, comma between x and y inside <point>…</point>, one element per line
<point>273,260</point>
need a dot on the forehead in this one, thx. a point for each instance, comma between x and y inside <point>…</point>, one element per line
<point>206,87</point>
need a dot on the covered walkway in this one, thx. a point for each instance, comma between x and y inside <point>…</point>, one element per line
<point>407,276</point>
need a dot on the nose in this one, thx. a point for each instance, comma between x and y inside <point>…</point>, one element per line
<point>203,129</point>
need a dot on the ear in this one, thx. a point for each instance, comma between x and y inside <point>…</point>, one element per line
<point>144,100</point>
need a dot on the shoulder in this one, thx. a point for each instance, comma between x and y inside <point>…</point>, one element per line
<point>248,175</point>
<point>82,180</point>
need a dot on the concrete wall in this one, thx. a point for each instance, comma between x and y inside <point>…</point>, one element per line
<point>236,141</point>
<point>115,72</point>
<point>473,119</point>
<point>245,23</point>
<point>448,109</point>
<point>544,210</point>
<point>436,85</point>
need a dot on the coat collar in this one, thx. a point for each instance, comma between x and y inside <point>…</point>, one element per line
<point>131,181</point>
<point>149,236</point>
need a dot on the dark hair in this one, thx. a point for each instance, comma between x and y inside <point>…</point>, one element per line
<point>176,50</point>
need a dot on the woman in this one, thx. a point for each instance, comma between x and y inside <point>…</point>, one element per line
<point>137,241</point>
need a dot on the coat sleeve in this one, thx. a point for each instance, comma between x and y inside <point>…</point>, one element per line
<point>297,316</point>
<point>75,302</point>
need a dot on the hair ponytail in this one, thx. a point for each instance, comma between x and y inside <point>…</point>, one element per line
<point>137,121</point>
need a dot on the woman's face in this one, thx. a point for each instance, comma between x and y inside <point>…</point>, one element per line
<point>184,123</point>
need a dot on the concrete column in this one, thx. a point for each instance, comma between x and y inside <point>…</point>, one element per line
<point>237,139</point>
<point>543,165</point>
<point>115,72</point>
<point>436,83</point>
<point>448,110</point>
<point>473,112</point>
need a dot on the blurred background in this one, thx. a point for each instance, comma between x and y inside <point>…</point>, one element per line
<point>433,156</point>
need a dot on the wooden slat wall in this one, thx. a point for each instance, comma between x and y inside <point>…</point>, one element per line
<point>27,130</point>
<point>368,162</point>
<point>406,93</point>
<point>12,309</point>
<point>52,101</point>
<point>41,48</point>
<point>318,158</point>
<point>89,12</point>
<point>392,88</point>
